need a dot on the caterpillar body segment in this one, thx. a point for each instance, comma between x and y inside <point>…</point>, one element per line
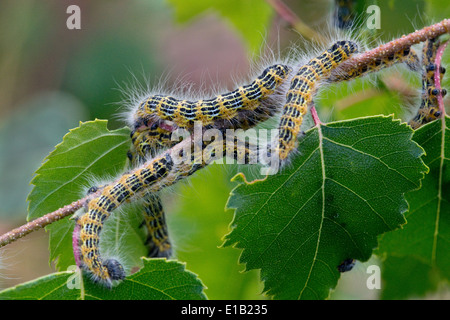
<point>158,241</point>
<point>303,87</point>
<point>226,106</point>
<point>429,108</point>
<point>407,56</point>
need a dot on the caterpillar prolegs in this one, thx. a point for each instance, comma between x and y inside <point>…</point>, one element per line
<point>158,242</point>
<point>224,109</point>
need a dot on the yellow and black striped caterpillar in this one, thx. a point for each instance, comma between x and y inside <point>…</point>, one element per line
<point>407,56</point>
<point>222,109</point>
<point>112,196</point>
<point>147,143</point>
<point>302,89</point>
<point>429,108</point>
<point>147,140</point>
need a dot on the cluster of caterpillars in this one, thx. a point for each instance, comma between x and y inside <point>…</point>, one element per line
<point>154,152</point>
<point>244,107</point>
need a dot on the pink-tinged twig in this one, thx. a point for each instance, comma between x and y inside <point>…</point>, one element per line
<point>392,47</point>
<point>437,77</point>
<point>315,116</point>
<point>75,245</point>
<point>41,222</point>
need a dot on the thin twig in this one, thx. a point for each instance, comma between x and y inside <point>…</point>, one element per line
<point>315,116</point>
<point>41,222</point>
<point>392,47</point>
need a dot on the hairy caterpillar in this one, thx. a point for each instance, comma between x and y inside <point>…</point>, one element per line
<point>429,108</point>
<point>159,172</point>
<point>302,89</point>
<point>242,108</point>
<point>184,113</point>
<point>100,208</point>
<point>158,116</point>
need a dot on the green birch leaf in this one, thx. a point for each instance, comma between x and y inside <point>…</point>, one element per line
<point>425,239</point>
<point>159,279</point>
<point>250,18</point>
<point>91,150</point>
<point>344,189</point>
<point>406,277</point>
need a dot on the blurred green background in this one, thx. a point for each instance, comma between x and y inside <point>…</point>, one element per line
<point>51,78</point>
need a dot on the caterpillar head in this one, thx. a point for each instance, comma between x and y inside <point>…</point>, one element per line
<point>345,46</point>
<point>281,73</point>
<point>115,269</point>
